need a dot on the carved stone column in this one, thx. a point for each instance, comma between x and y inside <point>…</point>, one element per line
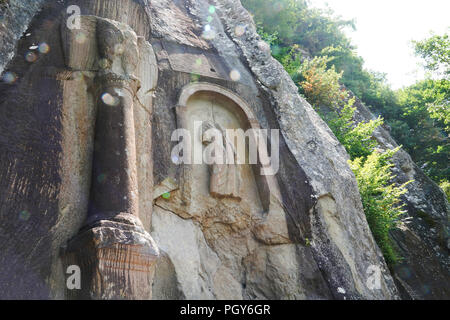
<point>115,254</point>
<point>114,184</point>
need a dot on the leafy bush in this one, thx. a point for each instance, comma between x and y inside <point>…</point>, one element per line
<point>321,84</point>
<point>357,139</point>
<point>292,61</point>
<point>297,23</point>
<point>270,38</point>
<point>420,125</point>
<point>445,186</point>
<point>436,53</point>
<point>380,198</point>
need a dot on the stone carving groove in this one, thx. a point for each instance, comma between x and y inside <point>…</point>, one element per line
<point>116,255</point>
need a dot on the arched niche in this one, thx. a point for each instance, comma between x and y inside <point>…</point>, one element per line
<point>233,106</point>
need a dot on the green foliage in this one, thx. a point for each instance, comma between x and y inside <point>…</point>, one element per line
<point>320,34</point>
<point>277,16</point>
<point>372,169</point>
<point>420,125</point>
<point>292,62</point>
<point>270,38</point>
<point>321,85</point>
<point>441,112</point>
<point>380,198</point>
<point>311,45</point>
<point>436,53</point>
<point>296,23</point>
<point>438,102</point>
<point>445,186</point>
<point>368,86</point>
<point>357,138</point>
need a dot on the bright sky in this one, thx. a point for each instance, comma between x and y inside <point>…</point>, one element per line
<point>385,29</point>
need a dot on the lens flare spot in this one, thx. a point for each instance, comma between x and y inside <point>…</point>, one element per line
<point>175,159</point>
<point>425,289</point>
<point>9,77</point>
<point>24,215</point>
<point>103,63</point>
<point>31,57</point>
<point>276,50</point>
<point>209,19</point>
<point>80,37</point>
<point>195,77</point>
<point>109,99</point>
<point>212,9</point>
<point>166,195</point>
<point>101,178</point>
<point>239,30</point>
<point>405,272</point>
<point>208,33</point>
<point>77,75</point>
<point>44,48</point>
<point>277,7</point>
<point>263,46</point>
<point>119,49</point>
<point>235,75</point>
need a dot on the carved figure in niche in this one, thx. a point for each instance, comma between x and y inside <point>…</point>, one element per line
<point>225,177</point>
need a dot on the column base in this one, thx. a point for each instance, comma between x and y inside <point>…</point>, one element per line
<point>117,260</point>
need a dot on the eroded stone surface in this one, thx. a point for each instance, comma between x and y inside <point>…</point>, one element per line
<point>59,110</point>
<point>105,253</point>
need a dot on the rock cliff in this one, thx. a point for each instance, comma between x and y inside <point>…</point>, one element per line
<point>89,176</point>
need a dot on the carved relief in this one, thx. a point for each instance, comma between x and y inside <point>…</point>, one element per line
<point>235,114</point>
<point>228,210</point>
<point>225,179</point>
<point>117,255</point>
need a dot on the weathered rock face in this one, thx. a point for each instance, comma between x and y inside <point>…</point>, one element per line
<point>79,155</point>
<point>422,239</point>
<point>298,234</point>
<point>313,220</point>
<point>15,16</point>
